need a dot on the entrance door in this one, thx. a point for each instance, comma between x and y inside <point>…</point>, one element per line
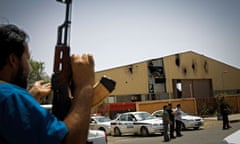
<point>198,88</point>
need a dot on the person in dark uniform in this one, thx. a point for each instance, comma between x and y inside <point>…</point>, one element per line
<point>172,119</point>
<point>224,112</point>
<point>166,122</point>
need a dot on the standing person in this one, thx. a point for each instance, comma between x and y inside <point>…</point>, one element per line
<point>166,122</point>
<point>172,119</point>
<point>22,119</point>
<point>178,118</point>
<point>224,112</point>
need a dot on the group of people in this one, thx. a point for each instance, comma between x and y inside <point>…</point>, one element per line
<point>22,119</point>
<point>170,118</point>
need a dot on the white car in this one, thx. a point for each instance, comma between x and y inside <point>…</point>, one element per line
<point>141,123</point>
<point>100,123</point>
<point>188,121</point>
<point>232,138</point>
<point>97,137</point>
<point>94,136</point>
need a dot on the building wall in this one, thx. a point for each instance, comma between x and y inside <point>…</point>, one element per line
<point>131,79</point>
<point>224,76</point>
<point>191,65</point>
<point>184,66</point>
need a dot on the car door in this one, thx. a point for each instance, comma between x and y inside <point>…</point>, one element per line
<point>132,124</point>
<point>93,124</point>
<point>126,126</point>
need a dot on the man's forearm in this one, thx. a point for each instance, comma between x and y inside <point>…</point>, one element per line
<point>78,118</point>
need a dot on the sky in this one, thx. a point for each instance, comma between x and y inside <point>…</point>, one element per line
<point>122,32</point>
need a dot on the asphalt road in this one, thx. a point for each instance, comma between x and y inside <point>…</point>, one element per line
<point>209,134</point>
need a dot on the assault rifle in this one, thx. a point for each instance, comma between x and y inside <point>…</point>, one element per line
<point>61,78</point>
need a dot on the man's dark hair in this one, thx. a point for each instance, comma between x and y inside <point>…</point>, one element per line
<point>11,41</point>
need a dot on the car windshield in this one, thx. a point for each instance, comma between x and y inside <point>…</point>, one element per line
<point>158,113</point>
<point>102,119</point>
<point>143,116</point>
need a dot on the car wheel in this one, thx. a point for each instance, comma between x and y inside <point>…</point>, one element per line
<point>117,132</point>
<point>144,131</point>
<point>196,128</point>
<point>102,129</point>
<point>183,126</point>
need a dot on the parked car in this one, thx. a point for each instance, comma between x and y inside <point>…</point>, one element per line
<point>100,123</point>
<point>232,138</point>
<point>141,123</point>
<point>94,136</point>
<point>97,137</point>
<point>188,121</point>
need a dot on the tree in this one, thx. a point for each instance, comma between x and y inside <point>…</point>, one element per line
<point>36,74</point>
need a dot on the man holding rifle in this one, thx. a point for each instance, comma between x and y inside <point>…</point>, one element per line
<point>22,119</point>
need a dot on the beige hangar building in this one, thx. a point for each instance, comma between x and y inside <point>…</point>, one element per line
<point>182,75</point>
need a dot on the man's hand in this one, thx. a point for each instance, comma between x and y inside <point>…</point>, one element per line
<point>78,118</point>
<point>82,70</point>
<point>40,90</point>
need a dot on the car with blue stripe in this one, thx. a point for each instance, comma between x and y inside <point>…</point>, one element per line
<point>139,123</point>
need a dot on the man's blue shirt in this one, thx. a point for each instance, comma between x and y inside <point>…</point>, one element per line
<point>24,121</point>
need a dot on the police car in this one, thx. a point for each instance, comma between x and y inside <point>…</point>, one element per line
<point>140,123</point>
<point>99,122</point>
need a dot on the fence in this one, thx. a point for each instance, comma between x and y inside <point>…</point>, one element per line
<point>195,106</point>
<point>187,104</point>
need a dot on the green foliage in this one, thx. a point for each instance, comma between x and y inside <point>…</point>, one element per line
<point>37,72</point>
<point>208,109</point>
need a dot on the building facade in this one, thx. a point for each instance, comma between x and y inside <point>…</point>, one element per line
<point>182,75</point>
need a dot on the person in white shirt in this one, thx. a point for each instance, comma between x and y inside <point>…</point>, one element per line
<point>178,118</point>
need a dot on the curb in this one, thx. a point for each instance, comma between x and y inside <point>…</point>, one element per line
<point>233,121</point>
<point>232,118</point>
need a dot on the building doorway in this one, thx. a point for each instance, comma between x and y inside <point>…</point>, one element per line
<point>192,88</point>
